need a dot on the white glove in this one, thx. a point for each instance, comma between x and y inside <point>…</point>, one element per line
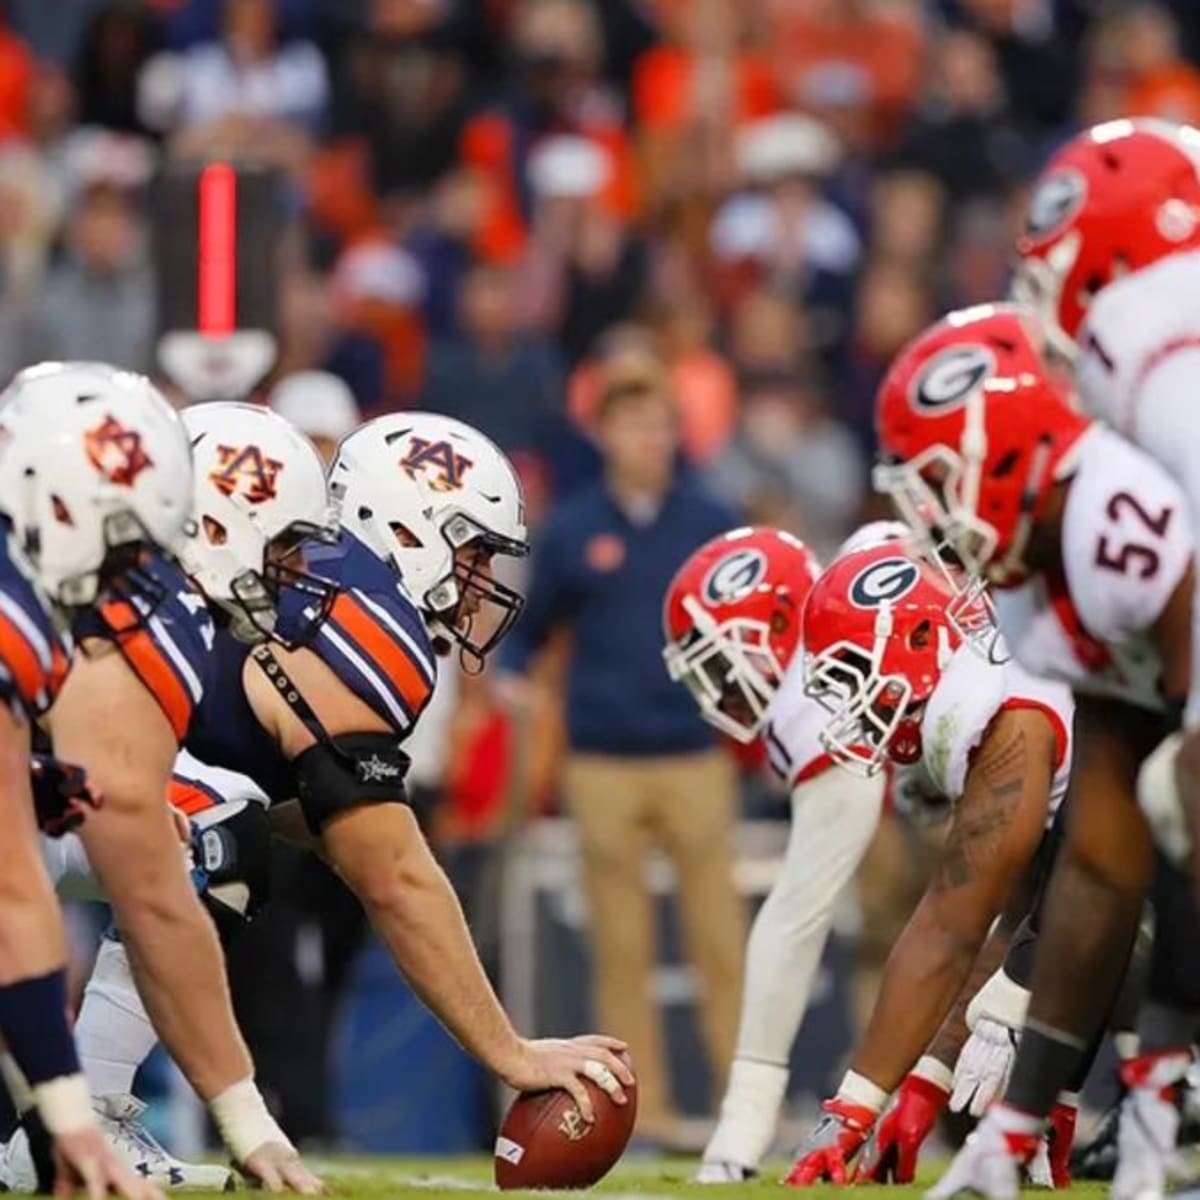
<point>983,1066</point>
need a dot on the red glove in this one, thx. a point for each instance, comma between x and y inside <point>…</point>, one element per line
<point>891,1154</point>
<point>1060,1134</point>
<point>834,1141</point>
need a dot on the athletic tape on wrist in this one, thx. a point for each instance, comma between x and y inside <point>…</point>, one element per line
<point>858,1089</point>
<point>934,1071</point>
<point>64,1104</point>
<point>243,1120</point>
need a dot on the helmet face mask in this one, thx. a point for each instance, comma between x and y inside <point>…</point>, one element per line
<point>939,513</point>
<point>471,607</point>
<point>730,669</point>
<point>869,709</point>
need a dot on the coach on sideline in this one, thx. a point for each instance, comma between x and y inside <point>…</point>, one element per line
<point>642,768</point>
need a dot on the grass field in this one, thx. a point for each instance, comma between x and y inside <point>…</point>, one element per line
<point>411,1178</point>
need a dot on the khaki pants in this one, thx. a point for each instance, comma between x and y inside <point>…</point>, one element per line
<point>685,804</point>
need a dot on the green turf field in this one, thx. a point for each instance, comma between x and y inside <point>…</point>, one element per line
<point>411,1178</point>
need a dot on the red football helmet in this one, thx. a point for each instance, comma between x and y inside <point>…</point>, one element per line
<point>1117,198</point>
<point>731,619</point>
<point>877,636</point>
<point>974,430</point>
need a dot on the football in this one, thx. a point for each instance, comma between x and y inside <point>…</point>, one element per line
<point>545,1143</point>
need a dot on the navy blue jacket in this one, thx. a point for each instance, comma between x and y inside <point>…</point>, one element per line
<point>604,577</point>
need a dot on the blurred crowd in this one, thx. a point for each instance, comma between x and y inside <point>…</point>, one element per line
<point>506,210</point>
<point>489,198</point>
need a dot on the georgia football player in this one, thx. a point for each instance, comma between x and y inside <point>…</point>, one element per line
<point>983,448</point>
<point>317,711</point>
<point>909,672</point>
<point>68,531</point>
<point>731,624</point>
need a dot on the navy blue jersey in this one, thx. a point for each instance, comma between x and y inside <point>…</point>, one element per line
<point>33,655</point>
<point>163,628</point>
<point>373,638</point>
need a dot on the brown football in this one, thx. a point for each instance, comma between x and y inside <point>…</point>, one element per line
<point>545,1143</point>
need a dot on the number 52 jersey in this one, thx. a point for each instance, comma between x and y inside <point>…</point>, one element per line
<point>1127,542</point>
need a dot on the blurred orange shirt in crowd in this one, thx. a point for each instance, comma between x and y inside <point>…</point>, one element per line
<point>16,79</point>
<point>813,39</point>
<point>662,85</point>
<point>1172,93</point>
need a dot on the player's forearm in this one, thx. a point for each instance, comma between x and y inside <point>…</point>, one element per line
<point>926,970</point>
<point>174,953</point>
<point>951,1037</point>
<point>414,909</point>
<point>32,941</point>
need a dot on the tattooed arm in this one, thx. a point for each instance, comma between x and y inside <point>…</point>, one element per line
<point>997,825</point>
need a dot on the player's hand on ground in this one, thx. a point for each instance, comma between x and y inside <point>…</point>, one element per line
<point>276,1167</point>
<point>891,1152</point>
<point>85,1163</point>
<point>566,1062</point>
<point>836,1138</point>
<point>983,1067</point>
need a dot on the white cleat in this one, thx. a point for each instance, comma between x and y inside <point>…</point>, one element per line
<point>1146,1156</point>
<point>987,1166</point>
<point>120,1122</point>
<point>724,1172</point>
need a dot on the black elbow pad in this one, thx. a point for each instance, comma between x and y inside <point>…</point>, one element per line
<point>347,772</point>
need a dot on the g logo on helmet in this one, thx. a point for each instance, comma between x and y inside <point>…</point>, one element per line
<point>1054,202</point>
<point>949,378</point>
<point>735,576</point>
<point>889,579</point>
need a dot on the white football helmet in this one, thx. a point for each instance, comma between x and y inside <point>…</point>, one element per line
<point>94,465</point>
<point>259,499</point>
<point>415,488</point>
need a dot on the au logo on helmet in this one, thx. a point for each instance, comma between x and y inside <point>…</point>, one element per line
<point>446,467</point>
<point>246,469</point>
<point>949,378</point>
<point>889,579</point>
<point>1055,200</point>
<point>735,576</point>
<point>116,452</point>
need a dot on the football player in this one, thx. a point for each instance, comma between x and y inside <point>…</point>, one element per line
<point>67,532</point>
<point>730,621</point>
<point>143,652</point>
<point>317,711</point>
<point>912,671</point>
<point>1093,538</point>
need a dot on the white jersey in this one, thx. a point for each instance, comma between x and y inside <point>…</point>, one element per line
<point>197,788</point>
<point>1138,365</point>
<point>970,694</point>
<point>793,731</point>
<point>1126,544</point>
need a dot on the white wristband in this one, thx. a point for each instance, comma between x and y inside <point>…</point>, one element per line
<point>934,1071</point>
<point>858,1089</point>
<point>243,1121</point>
<point>64,1104</point>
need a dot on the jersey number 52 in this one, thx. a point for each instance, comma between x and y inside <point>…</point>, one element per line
<point>1122,556</point>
